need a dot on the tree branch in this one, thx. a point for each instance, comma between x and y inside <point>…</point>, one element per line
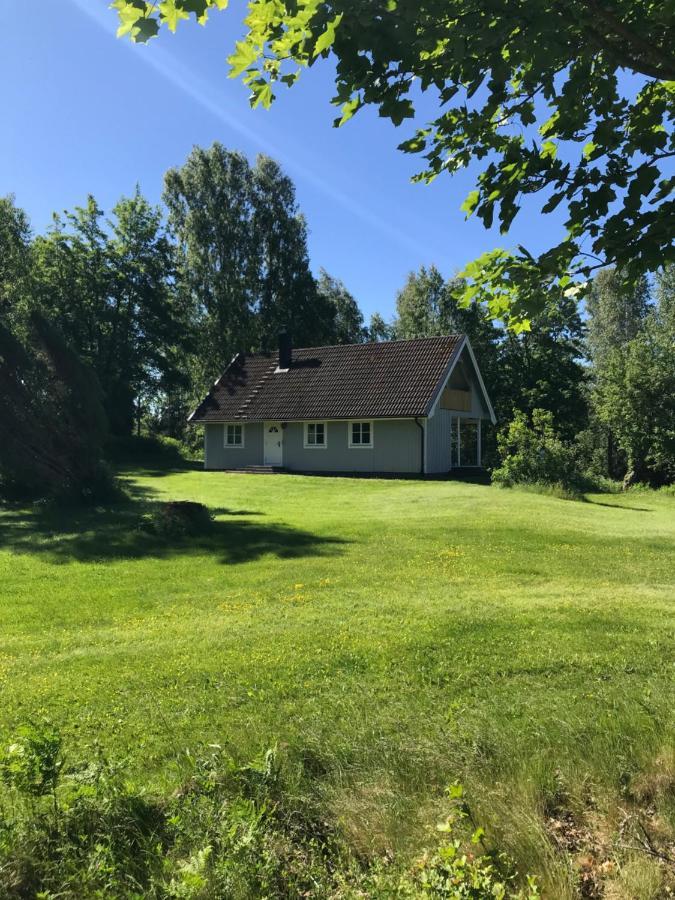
<point>650,60</point>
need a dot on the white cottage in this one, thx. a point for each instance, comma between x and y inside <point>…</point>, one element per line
<point>398,407</point>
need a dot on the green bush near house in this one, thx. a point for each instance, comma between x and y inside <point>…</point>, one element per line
<point>532,453</point>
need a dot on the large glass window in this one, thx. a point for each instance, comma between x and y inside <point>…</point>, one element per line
<point>468,451</point>
<point>464,442</point>
<point>234,435</point>
<point>315,434</point>
<point>360,434</point>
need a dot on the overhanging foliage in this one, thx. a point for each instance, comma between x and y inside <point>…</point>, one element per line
<point>534,91</point>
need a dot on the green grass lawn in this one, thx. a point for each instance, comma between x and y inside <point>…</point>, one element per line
<point>394,636</point>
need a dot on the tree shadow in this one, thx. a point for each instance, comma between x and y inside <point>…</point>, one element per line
<point>113,533</point>
<point>156,469</point>
<point>586,499</point>
<point>224,511</point>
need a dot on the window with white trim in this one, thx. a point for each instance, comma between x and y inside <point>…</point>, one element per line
<point>234,435</point>
<point>360,435</point>
<point>315,435</point>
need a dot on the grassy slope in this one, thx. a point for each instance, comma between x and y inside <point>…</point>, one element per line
<point>398,634</point>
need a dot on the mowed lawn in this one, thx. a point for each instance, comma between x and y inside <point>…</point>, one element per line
<point>393,635</point>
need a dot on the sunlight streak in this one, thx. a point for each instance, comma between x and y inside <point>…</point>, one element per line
<point>200,91</point>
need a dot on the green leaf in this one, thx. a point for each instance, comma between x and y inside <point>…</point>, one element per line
<point>413,145</point>
<point>455,791</point>
<point>549,150</point>
<point>348,110</point>
<point>129,14</point>
<point>245,55</point>
<point>396,109</point>
<point>325,40</point>
<point>199,8</point>
<point>588,149</point>
<point>172,14</point>
<point>261,94</point>
<point>144,30</point>
<point>470,203</point>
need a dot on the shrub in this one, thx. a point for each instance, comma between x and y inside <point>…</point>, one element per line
<point>178,518</point>
<point>31,765</point>
<point>532,453</point>
<point>148,450</point>
<point>231,830</point>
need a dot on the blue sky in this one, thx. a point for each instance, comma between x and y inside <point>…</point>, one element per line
<point>85,113</point>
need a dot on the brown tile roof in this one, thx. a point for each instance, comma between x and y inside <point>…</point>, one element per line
<point>369,381</point>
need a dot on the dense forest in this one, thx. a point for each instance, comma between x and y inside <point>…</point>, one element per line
<point>116,324</point>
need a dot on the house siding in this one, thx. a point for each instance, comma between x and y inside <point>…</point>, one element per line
<point>438,441</point>
<point>396,449</point>
<point>218,456</point>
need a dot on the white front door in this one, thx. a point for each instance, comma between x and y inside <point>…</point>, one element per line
<point>274,444</point>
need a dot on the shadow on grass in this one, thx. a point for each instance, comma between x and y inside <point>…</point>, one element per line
<point>586,499</point>
<point>151,469</point>
<point>113,533</point>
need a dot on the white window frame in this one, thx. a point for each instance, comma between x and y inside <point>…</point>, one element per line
<point>350,434</point>
<point>305,432</point>
<point>226,443</point>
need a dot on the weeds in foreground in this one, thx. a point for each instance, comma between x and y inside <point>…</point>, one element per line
<point>231,830</point>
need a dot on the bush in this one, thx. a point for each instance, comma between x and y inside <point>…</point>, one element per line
<point>462,868</point>
<point>532,453</point>
<point>31,765</point>
<point>178,518</point>
<point>146,449</point>
<point>231,830</point>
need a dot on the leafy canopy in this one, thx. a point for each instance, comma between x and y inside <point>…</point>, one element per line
<point>634,373</point>
<point>529,88</point>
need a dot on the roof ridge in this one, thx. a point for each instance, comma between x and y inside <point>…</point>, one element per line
<point>431,337</point>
